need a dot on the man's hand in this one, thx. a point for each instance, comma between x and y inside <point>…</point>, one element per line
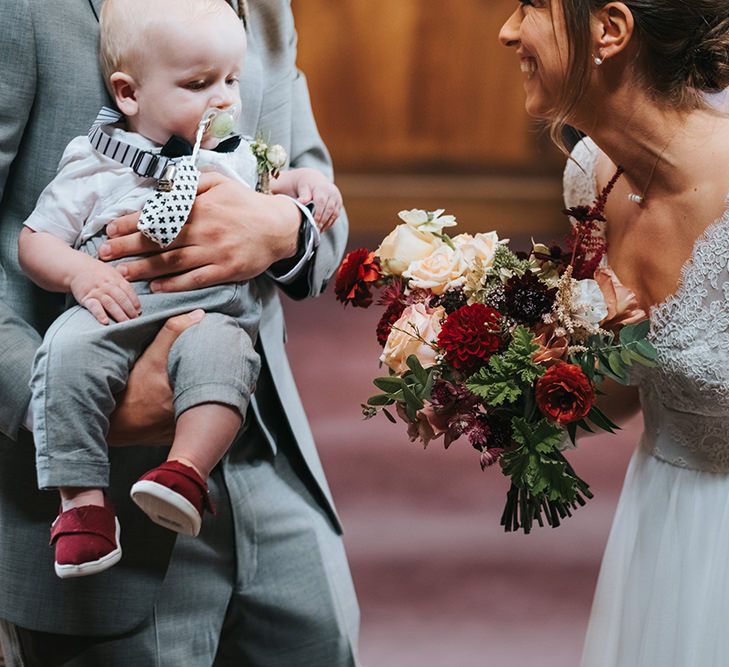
<point>233,234</point>
<point>103,292</point>
<point>144,414</point>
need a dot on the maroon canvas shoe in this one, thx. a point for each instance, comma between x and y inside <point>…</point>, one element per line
<point>86,540</point>
<point>173,495</point>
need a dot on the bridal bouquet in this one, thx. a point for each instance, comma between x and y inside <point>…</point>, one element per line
<point>506,350</point>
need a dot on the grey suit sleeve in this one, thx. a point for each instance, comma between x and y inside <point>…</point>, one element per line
<point>18,340</point>
<point>308,150</point>
<point>18,343</point>
<point>17,79</point>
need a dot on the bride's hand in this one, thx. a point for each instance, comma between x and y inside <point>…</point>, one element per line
<point>233,234</point>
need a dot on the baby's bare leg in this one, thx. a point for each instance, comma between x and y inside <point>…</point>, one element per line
<point>175,494</point>
<point>72,496</point>
<point>203,434</point>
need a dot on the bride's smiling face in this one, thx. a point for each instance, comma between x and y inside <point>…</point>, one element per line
<point>536,30</point>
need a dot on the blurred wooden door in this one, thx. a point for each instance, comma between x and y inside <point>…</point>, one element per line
<point>424,87</point>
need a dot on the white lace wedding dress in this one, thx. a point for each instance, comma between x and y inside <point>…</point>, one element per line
<point>662,597</point>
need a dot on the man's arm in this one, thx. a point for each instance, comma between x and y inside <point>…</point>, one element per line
<point>17,80</point>
<point>308,150</point>
<point>19,343</point>
<point>18,340</point>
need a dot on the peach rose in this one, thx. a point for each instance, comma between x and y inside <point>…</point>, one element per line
<point>416,320</point>
<point>442,270</point>
<point>481,246</point>
<point>404,245</point>
<point>622,305</point>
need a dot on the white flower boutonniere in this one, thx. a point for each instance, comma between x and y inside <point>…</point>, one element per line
<point>270,159</point>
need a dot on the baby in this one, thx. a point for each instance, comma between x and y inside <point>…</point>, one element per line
<point>168,64</point>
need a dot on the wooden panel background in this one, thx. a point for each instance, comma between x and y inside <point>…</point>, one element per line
<point>419,87</point>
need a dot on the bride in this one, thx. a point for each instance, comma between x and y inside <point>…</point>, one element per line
<point>634,76</point>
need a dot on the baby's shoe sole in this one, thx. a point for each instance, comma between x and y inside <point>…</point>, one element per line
<point>166,507</point>
<point>70,571</point>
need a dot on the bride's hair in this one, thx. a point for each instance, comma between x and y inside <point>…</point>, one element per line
<point>683,50</point>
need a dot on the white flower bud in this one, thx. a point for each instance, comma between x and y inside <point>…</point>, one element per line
<point>276,155</point>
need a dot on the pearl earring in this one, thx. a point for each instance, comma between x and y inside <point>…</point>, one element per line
<point>598,60</point>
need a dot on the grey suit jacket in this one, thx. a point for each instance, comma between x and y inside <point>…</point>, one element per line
<point>50,91</point>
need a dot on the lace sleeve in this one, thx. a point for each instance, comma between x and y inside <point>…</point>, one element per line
<point>578,181</point>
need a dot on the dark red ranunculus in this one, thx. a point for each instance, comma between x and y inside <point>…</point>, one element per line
<point>359,269</point>
<point>470,336</point>
<point>564,394</point>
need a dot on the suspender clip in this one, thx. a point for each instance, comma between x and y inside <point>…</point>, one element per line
<point>167,179</point>
<point>151,167</point>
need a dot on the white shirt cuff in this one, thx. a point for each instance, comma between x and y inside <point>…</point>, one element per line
<point>311,236</point>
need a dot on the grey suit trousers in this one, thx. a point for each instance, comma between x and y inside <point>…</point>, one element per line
<point>271,584</point>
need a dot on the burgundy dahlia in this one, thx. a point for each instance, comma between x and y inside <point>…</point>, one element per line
<point>470,336</point>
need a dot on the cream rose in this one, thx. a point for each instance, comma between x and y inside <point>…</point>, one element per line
<point>404,245</point>
<point>442,270</point>
<point>416,321</point>
<point>481,247</point>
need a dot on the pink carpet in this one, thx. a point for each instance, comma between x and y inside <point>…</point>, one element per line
<point>438,581</point>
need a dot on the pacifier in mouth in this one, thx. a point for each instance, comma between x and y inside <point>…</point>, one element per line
<point>220,123</point>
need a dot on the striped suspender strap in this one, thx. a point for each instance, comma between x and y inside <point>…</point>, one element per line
<point>144,163</point>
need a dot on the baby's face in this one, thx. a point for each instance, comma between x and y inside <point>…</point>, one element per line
<point>188,69</point>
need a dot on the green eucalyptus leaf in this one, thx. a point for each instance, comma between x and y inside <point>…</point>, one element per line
<point>614,363</point>
<point>379,399</point>
<point>627,334</point>
<point>646,349</point>
<point>389,383</point>
<point>413,363</point>
<point>412,401</point>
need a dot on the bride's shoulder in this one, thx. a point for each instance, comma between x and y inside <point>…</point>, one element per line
<point>579,179</point>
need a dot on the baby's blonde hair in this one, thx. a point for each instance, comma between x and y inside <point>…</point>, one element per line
<point>125,25</point>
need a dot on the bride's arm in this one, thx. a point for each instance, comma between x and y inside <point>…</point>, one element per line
<point>619,403</point>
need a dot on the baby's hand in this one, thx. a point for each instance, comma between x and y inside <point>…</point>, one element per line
<point>103,292</point>
<point>314,186</point>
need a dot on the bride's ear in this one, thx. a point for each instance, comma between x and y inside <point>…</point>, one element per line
<point>613,27</point>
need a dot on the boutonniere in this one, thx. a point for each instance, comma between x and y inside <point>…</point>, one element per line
<point>270,159</point>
